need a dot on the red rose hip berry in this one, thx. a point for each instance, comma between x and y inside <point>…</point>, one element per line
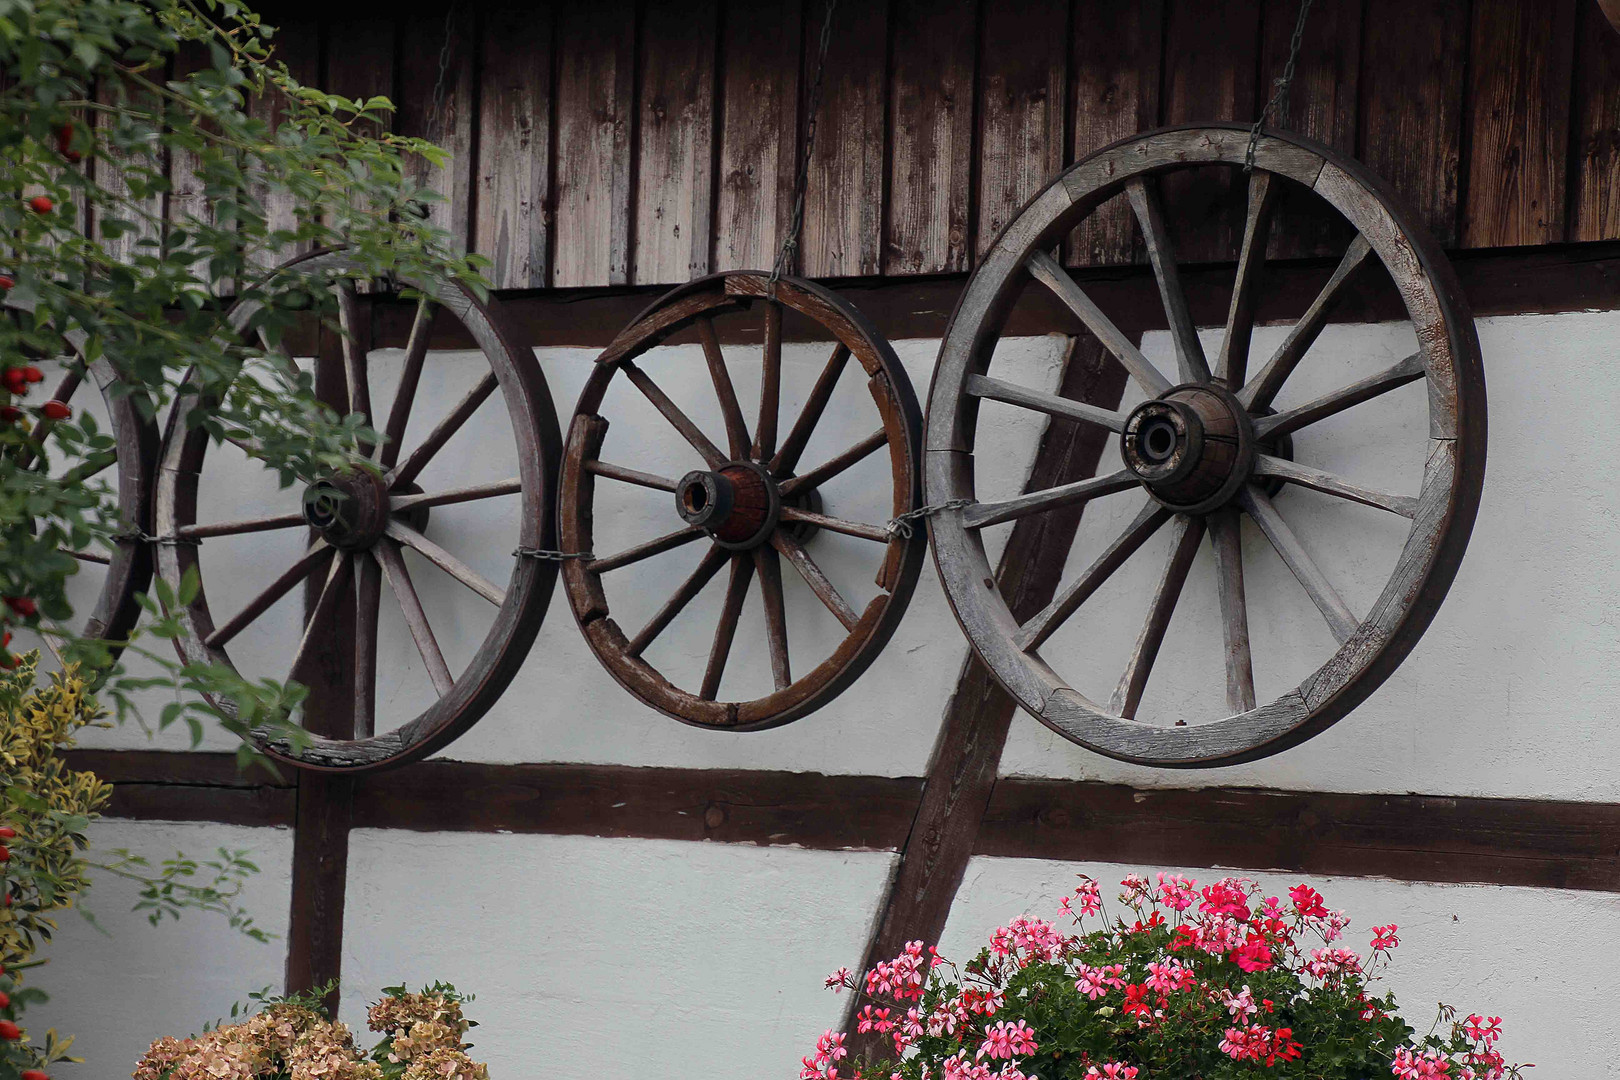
<point>41,204</point>
<point>34,1074</point>
<point>23,605</point>
<point>8,1030</point>
<point>7,283</point>
<point>56,410</point>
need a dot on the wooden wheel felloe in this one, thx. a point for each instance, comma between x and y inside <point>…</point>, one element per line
<point>125,567</point>
<point>749,503</point>
<point>1206,449</point>
<point>362,521</point>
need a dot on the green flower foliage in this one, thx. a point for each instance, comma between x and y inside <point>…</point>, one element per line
<point>145,190</point>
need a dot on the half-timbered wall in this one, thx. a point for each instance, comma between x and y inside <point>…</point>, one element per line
<point>627,895</point>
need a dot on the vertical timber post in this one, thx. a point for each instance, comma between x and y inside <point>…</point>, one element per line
<point>324,801</point>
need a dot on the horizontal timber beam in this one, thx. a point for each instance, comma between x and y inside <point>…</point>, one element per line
<point>1522,842</point>
<point>1538,280</point>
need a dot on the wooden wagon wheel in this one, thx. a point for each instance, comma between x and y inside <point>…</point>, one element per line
<point>361,521</point>
<point>1206,448</point>
<point>748,502</point>
<point>126,565</point>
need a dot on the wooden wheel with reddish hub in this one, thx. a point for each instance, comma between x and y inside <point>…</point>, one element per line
<point>366,523</point>
<point>120,570</point>
<point>1209,450</point>
<point>749,504</point>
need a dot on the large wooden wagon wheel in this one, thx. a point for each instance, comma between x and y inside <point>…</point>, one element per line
<point>125,566</point>
<point>749,503</point>
<point>362,520</point>
<point>1206,448</point>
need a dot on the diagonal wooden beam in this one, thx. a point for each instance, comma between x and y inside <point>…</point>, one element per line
<point>967,755</point>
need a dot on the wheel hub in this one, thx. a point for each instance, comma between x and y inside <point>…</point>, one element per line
<point>737,504</point>
<point>1192,448</point>
<point>349,510</point>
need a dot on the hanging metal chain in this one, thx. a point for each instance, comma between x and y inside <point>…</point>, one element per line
<point>436,106</point>
<point>1279,93</point>
<point>901,526</point>
<point>790,243</point>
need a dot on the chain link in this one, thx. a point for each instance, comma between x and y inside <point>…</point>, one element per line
<point>1279,94</point>
<point>790,243</point>
<point>901,526</point>
<point>550,556</point>
<point>145,537</point>
<point>436,106</point>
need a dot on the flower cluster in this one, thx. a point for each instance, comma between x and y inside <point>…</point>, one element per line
<point>1216,981</point>
<point>294,1040</point>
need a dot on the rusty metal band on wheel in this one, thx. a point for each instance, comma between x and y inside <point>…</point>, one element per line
<point>743,502</point>
<point>1187,443</point>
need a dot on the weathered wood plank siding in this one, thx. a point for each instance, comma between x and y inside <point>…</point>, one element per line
<point>620,142</point>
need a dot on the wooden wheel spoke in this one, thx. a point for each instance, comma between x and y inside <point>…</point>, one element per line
<point>770,385</point>
<point>630,476</point>
<point>1187,534</point>
<point>447,562</point>
<point>710,565</point>
<point>742,569</point>
<point>1300,564</point>
<point>237,528</point>
<point>337,576</point>
<point>64,390</point>
<point>356,341</point>
<point>94,465</point>
<point>367,604</point>
<point>1261,390</point>
<point>1040,401</point>
<point>787,458</point>
<point>399,580</point>
<point>730,409</point>
<point>682,423</point>
<point>1046,270</point>
<point>1190,361</point>
<point>1034,633</point>
<point>399,414</point>
<point>769,570</point>
<point>982,515</point>
<point>645,551</point>
<point>1232,366</point>
<point>837,525</point>
<point>251,447</point>
<point>446,428</point>
<point>1273,427</point>
<point>813,577</point>
<point>1226,540</point>
<point>1294,473</point>
<point>88,556</point>
<point>833,466</point>
<point>273,592</point>
<point>399,503</point>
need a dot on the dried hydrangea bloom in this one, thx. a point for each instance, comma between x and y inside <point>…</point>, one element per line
<point>223,1054</point>
<point>279,1026</point>
<point>323,1051</point>
<point>161,1057</point>
<point>424,1035</point>
<point>398,1012</point>
<point>445,1064</point>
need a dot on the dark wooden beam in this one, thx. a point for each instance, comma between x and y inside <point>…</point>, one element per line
<point>1537,280</point>
<point>156,785</point>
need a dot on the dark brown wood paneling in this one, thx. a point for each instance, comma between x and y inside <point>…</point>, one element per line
<point>1209,72</point>
<point>1411,104</point>
<point>1023,66</point>
<point>429,43</point>
<point>1322,103</point>
<point>1114,88</point>
<point>1519,82</point>
<point>512,215</point>
<point>843,206</point>
<point>1594,204</point>
<point>675,169</point>
<point>1559,845</point>
<point>759,131</point>
<point>931,137</point>
<point>732,806</point>
<point>360,58</point>
<point>296,44</point>
<point>595,109</point>
<point>967,755</point>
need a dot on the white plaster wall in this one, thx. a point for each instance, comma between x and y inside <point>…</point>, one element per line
<point>118,987</point>
<point>1528,955</point>
<point>598,959</point>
